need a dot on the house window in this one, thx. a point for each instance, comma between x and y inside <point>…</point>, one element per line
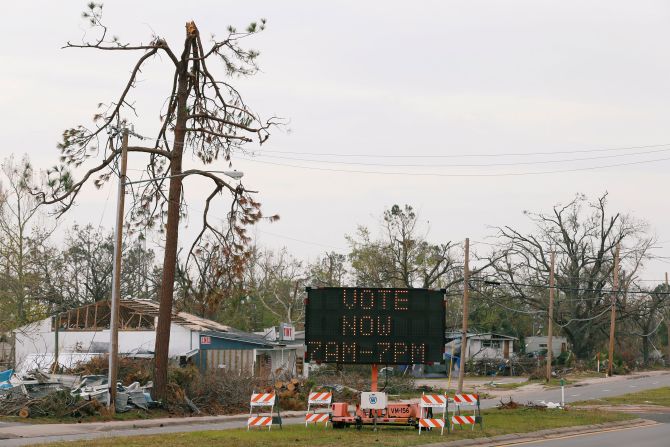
<point>543,345</point>
<point>495,344</point>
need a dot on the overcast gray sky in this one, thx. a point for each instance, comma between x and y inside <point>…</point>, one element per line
<point>390,80</point>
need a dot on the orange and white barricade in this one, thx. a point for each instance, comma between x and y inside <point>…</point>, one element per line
<point>431,402</point>
<point>466,400</point>
<point>259,401</point>
<point>318,399</point>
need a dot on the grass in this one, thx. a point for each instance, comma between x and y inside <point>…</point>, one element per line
<point>496,422</point>
<point>657,396</point>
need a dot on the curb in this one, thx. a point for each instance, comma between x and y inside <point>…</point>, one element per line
<point>541,435</point>
<point>196,420</point>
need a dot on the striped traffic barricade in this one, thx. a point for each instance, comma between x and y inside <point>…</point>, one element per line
<point>429,403</point>
<point>318,399</point>
<point>316,418</point>
<point>463,420</point>
<point>259,421</point>
<point>259,401</point>
<point>466,400</point>
<point>428,423</point>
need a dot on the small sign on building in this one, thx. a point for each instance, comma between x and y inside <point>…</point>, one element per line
<point>205,340</point>
<point>287,331</point>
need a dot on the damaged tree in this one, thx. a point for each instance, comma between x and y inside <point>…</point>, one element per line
<point>204,115</point>
<point>584,235</point>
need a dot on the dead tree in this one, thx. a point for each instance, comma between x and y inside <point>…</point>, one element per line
<point>203,114</point>
<point>584,237</point>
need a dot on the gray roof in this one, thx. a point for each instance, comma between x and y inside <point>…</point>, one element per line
<point>481,335</point>
<point>241,336</point>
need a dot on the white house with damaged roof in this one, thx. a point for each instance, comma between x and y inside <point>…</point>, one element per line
<point>83,333</point>
<point>481,346</point>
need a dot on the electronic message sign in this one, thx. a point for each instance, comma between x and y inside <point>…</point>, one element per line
<point>368,325</point>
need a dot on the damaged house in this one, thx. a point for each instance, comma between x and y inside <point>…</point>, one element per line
<point>79,334</point>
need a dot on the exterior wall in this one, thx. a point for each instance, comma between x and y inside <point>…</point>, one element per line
<point>241,356</point>
<point>240,361</point>
<point>283,358</point>
<point>38,339</point>
<point>477,351</point>
<point>538,343</point>
<point>226,355</point>
<point>6,356</point>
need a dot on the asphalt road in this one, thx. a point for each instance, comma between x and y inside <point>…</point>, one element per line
<point>616,387</point>
<point>648,436</point>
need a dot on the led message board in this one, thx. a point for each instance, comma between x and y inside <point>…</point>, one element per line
<point>367,325</point>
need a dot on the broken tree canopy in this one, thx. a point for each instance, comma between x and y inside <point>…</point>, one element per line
<point>203,115</point>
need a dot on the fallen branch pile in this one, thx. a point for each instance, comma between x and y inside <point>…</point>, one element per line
<point>57,404</point>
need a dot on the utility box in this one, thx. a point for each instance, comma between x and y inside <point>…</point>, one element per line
<point>340,409</point>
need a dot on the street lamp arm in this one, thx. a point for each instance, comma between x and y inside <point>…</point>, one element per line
<point>236,175</point>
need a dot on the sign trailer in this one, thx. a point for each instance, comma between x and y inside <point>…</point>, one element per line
<point>388,326</point>
<point>374,326</point>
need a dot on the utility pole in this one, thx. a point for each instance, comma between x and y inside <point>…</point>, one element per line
<point>55,365</point>
<point>615,289</point>
<point>116,277</point>
<point>466,297</point>
<point>667,320</point>
<point>550,329</point>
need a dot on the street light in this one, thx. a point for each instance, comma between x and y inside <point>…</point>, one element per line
<point>235,175</point>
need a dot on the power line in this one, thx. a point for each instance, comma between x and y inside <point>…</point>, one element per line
<point>466,165</point>
<point>509,174</point>
<point>586,319</point>
<point>470,154</point>
<point>528,312</point>
<point>434,174</point>
<point>571,289</point>
<point>298,240</point>
<point>652,332</point>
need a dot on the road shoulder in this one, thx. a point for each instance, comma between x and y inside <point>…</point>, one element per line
<point>540,435</point>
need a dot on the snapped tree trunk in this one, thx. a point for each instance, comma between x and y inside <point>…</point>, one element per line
<point>208,113</point>
<point>162,347</point>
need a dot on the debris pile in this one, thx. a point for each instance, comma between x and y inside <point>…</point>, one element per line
<point>541,405</point>
<point>510,405</point>
<point>58,395</point>
<point>85,390</point>
<point>57,404</point>
<point>292,394</point>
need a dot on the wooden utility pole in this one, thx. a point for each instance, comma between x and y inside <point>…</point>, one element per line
<point>615,290</point>
<point>667,320</point>
<point>550,325</point>
<point>116,277</point>
<point>56,365</point>
<point>466,297</point>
